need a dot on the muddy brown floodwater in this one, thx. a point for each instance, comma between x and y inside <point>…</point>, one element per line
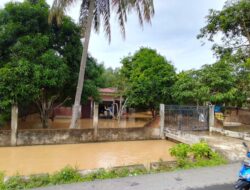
<point>131,120</point>
<point>28,160</point>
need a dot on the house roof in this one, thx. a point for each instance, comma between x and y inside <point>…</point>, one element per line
<point>108,90</point>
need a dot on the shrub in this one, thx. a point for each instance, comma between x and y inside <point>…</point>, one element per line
<point>197,155</point>
<point>15,182</point>
<point>38,181</point>
<point>2,186</point>
<point>180,151</point>
<point>66,175</point>
<point>201,151</point>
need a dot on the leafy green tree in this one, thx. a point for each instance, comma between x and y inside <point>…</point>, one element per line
<point>39,61</point>
<point>149,78</point>
<point>93,80</point>
<point>188,89</point>
<point>91,11</point>
<point>233,24</point>
<point>241,65</point>
<point>111,77</point>
<point>220,80</point>
<point>233,21</point>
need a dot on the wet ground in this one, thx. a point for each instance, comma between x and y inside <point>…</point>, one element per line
<point>230,147</point>
<point>42,159</point>
<point>216,187</point>
<point>242,128</point>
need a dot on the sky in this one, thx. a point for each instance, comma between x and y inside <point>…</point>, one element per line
<point>172,33</point>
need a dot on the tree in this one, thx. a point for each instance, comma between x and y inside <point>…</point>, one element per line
<point>91,11</point>
<point>149,78</point>
<point>111,77</point>
<point>39,61</point>
<point>233,24</point>
<point>220,80</point>
<point>233,21</point>
<point>32,67</point>
<point>188,89</point>
<point>93,80</point>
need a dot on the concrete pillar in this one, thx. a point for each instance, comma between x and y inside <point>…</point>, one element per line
<point>95,119</point>
<point>14,122</point>
<point>211,117</point>
<point>162,120</point>
<point>91,108</point>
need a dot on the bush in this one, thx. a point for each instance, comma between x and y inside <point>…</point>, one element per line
<point>38,181</point>
<point>180,151</point>
<point>66,175</point>
<point>201,151</point>
<point>15,182</point>
<point>2,186</point>
<point>197,155</point>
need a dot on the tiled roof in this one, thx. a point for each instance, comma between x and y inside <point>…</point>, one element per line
<point>108,90</point>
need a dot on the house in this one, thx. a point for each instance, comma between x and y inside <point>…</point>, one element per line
<point>110,103</point>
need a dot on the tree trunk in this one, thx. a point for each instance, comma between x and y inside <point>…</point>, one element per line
<point>76,107</point>
<point>153,112</point>
<point>45,106</point>
<point>45,118</point>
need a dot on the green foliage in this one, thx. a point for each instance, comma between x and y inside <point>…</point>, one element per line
<point>149,78</point>
<point>15,182</point>
<point>93,80</point>
<point>201,151</point>
<point>188,89</point>
<point>38,181</point>
<point>197,155</point>
<point>220,80</point>
<point>33,66</point>
<point>180,151</point>
<point>2,185</point>
<point>111,76</point>
<point>223,82</point>
<point>66,175</point>
<point>233,22</point>
<point>39,62</point>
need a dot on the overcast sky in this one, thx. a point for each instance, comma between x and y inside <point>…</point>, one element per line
<point>172,33</point>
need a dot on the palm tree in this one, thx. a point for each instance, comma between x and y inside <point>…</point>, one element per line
<point>91,12</point>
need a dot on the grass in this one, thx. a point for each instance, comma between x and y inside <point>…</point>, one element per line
<point>197,155</point>
<point>65,176</point>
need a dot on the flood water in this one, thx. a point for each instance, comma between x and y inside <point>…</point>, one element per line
<point>50,158</point>
<point>131,120</point>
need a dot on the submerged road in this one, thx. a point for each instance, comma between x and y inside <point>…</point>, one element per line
<point>213,178</point>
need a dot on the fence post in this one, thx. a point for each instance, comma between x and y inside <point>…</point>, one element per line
<point>211,117</point>
<point>95,119</point>
<point>14,122</point>
<point>162,120</point>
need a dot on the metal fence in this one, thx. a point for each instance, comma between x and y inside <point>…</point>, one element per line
<point>187,118</point>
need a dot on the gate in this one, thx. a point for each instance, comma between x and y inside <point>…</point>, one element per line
<point>187,118</point>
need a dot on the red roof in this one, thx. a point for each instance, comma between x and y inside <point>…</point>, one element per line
<point>108,90</point>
